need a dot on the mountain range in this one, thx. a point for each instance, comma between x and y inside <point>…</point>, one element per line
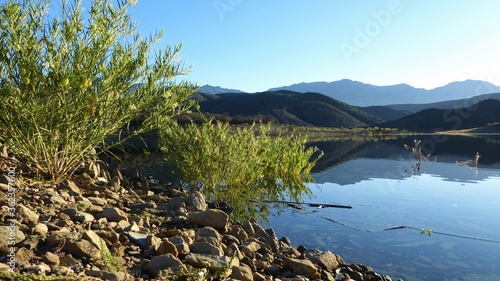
<point>360,94</point>
<point>307,107</point>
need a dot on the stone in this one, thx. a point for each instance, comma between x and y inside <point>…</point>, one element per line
<point>208,234</point>
<point>175,203</point>
<point>8,232</point>
<point>180,244</point>
<point>212,217</point>
<point>92,170</point>
<point>56,238</point>
<point>83,217</point>
<point>196,201</point>
<point>205,248</point>
<point>167,247</point>
<point>41,229</point>
<point>62,270</point>
<point>105,275</point>
<point>249,248</point>
<point>327,260</point>
<point>115,183</point>
<point>26,215</point>
<point>242,272</point>
<point>212,262</point>
<point>98,201</point>
<point>300,266</point>
<point>51,259</point>
<point>83,248</point>
<point>141,206</point>
<point>24,254</point>
<point>139,238</point>
<point>114,214</point>
<point>93,238</point>
<point>58,199</point>
<point>163,262</point>
<point>70,186</point>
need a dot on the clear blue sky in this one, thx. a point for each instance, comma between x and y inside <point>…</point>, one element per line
<point>253,45</point>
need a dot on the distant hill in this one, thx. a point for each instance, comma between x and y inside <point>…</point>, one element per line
<point>431,120</point>
<point>208,89</point>
<point>288,107</point>
<point>385,113</point>
<point>360,94</point>
<point>456,103</point>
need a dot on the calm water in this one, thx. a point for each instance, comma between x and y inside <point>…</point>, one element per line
<point>460,204</point>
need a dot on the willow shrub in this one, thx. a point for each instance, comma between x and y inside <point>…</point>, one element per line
<point>71,81</point>
<point>237,165</point>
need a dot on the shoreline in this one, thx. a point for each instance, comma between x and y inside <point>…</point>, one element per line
<point>111,223</point>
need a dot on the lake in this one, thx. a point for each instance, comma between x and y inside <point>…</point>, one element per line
<point>441,222</point>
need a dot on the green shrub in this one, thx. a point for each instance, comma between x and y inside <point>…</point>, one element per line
<point>70,81</point>
<point>243,163</point>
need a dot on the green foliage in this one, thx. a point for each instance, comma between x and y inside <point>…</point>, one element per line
<point>109,260</point>
<point>14,276</point>
<point>70,81</point>
<point>424,231</point>
<point>239,164</point>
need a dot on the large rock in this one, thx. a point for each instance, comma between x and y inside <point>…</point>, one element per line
<point>326,260</point>
<point>196,201</point>
<point>243,273</point>
<point>83,248</point>
<point>167,247</point>
<point>70,186</point>
<point>302,267</point>
<point>212,262</point>
<point>205,248</point>
<point>212,217</point>
<point>26,214</point>
<point>164,262</point>
<point>208,234</point>
<point>7,233</point>
<point>180,244</point>
<point>114,214</point>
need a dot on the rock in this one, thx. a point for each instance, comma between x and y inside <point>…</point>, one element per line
<point>24,254</point>
<point>56,238</point>
<point>83,217</point>
<point>242,272</point>
<point>105,275</point>
<point>41,229</point>
<point>196,201</point>
<point>93,238</point>
<point>205,248</point>
<point>176,203</point>
<point>83,248</point>
<point>167,247</point>
<point>115,183</point>
<point>51,259</point>
<point>92,170</point>
<point>180,244</point>
<point>8,232</point>
<point>208,234</point>
<point>212,262</point>
<point>98,201</point>
<point>114,214</point>
<point>58,199</point>
<point>141,206</point>
<point>326,260</point>
<point>302,267</point>
<point>139,238</point>
<point>26,215</point>
<point>70,186</point>
<point>164,262</point>
<point>249,248</point>
<point>212,217</point>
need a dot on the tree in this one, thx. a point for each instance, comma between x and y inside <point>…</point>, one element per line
<point>70,81</point>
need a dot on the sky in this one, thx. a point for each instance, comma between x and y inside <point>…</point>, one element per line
<point>254,45</point>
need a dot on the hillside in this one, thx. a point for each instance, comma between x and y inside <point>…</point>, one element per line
<point>288,107</point>
<point>431,120</point>
<point>208,89</point>
<point>385,113</point>
<point>360,94</point>
<point>456,103</point>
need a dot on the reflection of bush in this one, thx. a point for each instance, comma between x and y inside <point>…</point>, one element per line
<point>241,165</point>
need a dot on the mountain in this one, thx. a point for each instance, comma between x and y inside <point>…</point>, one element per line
<point>430,120</point>
<point>360,94</point>
<point>412,108</point>
<point>207,89</point>
<point>288,107</point>
<point>385,113</point>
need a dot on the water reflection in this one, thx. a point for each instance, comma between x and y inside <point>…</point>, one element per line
<point>457,202</point>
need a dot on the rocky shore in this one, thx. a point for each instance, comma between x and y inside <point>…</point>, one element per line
<point>111,223</point>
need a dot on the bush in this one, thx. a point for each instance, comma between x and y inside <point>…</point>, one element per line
<point>68,82</point>
<point>242,163</point>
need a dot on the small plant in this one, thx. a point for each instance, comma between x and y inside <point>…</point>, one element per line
<point>81,206</point>
<point>237,165</point>
<point>108,259</point>
<point>15,276</point>
<point>416,150</point>
<point>424,231</point>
